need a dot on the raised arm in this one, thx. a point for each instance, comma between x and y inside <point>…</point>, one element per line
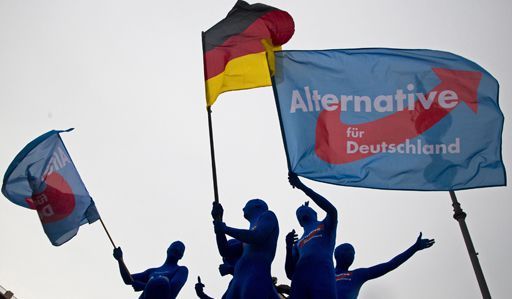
<point>381,269</point>
<point>200,290</point>
<point>217,214</point>
<point>226,249</point>
<point>178,281</point>
<point>324,204</point>
<point>291,254</point>
<point>125,274</point>
<point>266,225</point>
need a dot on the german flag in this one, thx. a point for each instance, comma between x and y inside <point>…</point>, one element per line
<point>234,50</point>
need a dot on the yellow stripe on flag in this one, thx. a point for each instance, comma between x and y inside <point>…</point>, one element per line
<point>243,72</point>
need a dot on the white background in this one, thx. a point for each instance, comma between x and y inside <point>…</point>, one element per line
<point>128,75</point>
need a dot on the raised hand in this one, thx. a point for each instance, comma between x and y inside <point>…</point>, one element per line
<point>118,253</point>
<point>423,243</point>
<point>295,181</point>
<point>199,285</point>
<point>217,211</point>
<point>291,239</point>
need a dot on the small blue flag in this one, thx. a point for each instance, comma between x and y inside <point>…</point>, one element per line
<point>43,177</point>
<point>390,119</point>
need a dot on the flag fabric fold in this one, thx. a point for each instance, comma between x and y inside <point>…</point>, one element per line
<point>235,49</point>
<point>43,177</point>
<point>390,119</point>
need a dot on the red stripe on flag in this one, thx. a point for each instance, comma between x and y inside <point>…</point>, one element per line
<point>244,43</point>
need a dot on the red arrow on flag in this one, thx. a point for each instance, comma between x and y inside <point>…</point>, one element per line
<point>332,134</point>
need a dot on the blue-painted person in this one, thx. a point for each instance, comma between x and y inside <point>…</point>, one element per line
<point>309,262</point>
<point>349,282</point>
<point>252,278</point>
<point>164,282</point>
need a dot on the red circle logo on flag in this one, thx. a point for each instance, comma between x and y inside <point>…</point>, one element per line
<point>57,200</point>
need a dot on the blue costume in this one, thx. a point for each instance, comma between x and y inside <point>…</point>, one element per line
<point>348,283</point>
<point>309,260</point>
<point>164,282</point>
<point>252,279</point>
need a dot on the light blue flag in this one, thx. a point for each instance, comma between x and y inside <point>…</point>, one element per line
<point>390,119</point>
<point>43,177</point>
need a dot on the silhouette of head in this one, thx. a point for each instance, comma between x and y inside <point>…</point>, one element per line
<point>176,250</point>
<point>344,255</point>
<point>305,214</point>
<point>254,208</point>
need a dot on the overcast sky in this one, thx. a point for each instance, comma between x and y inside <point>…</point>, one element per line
<point>128,76</point>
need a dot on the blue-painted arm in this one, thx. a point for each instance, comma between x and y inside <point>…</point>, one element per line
<point>125,274</point>
<point>381,269</point>
<point>199,287</point>
<point>266,225</point>
<point>332,214</point>
<point>292,255</point>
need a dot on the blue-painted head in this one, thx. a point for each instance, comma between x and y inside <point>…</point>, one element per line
<point>176,250</point>
<point>305,214</point>
<point>254,208</point>
<point>344,255</point>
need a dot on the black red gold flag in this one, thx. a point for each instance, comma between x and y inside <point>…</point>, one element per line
<point>235,49</point>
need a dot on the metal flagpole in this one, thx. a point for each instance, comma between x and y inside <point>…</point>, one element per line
<point>460,216</point>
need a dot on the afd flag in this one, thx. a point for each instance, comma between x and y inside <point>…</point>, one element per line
<point>390,119</point>
<point>43,177</point>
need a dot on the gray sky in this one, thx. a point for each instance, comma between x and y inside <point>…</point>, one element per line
<point>128,76</point>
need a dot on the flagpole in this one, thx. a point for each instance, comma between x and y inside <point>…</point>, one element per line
<point>283,136</point>
<point>210,133</point>
<point>276,100</point>
<point>108,234</point>
<point>460,216</point>
<point>212,154</point>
